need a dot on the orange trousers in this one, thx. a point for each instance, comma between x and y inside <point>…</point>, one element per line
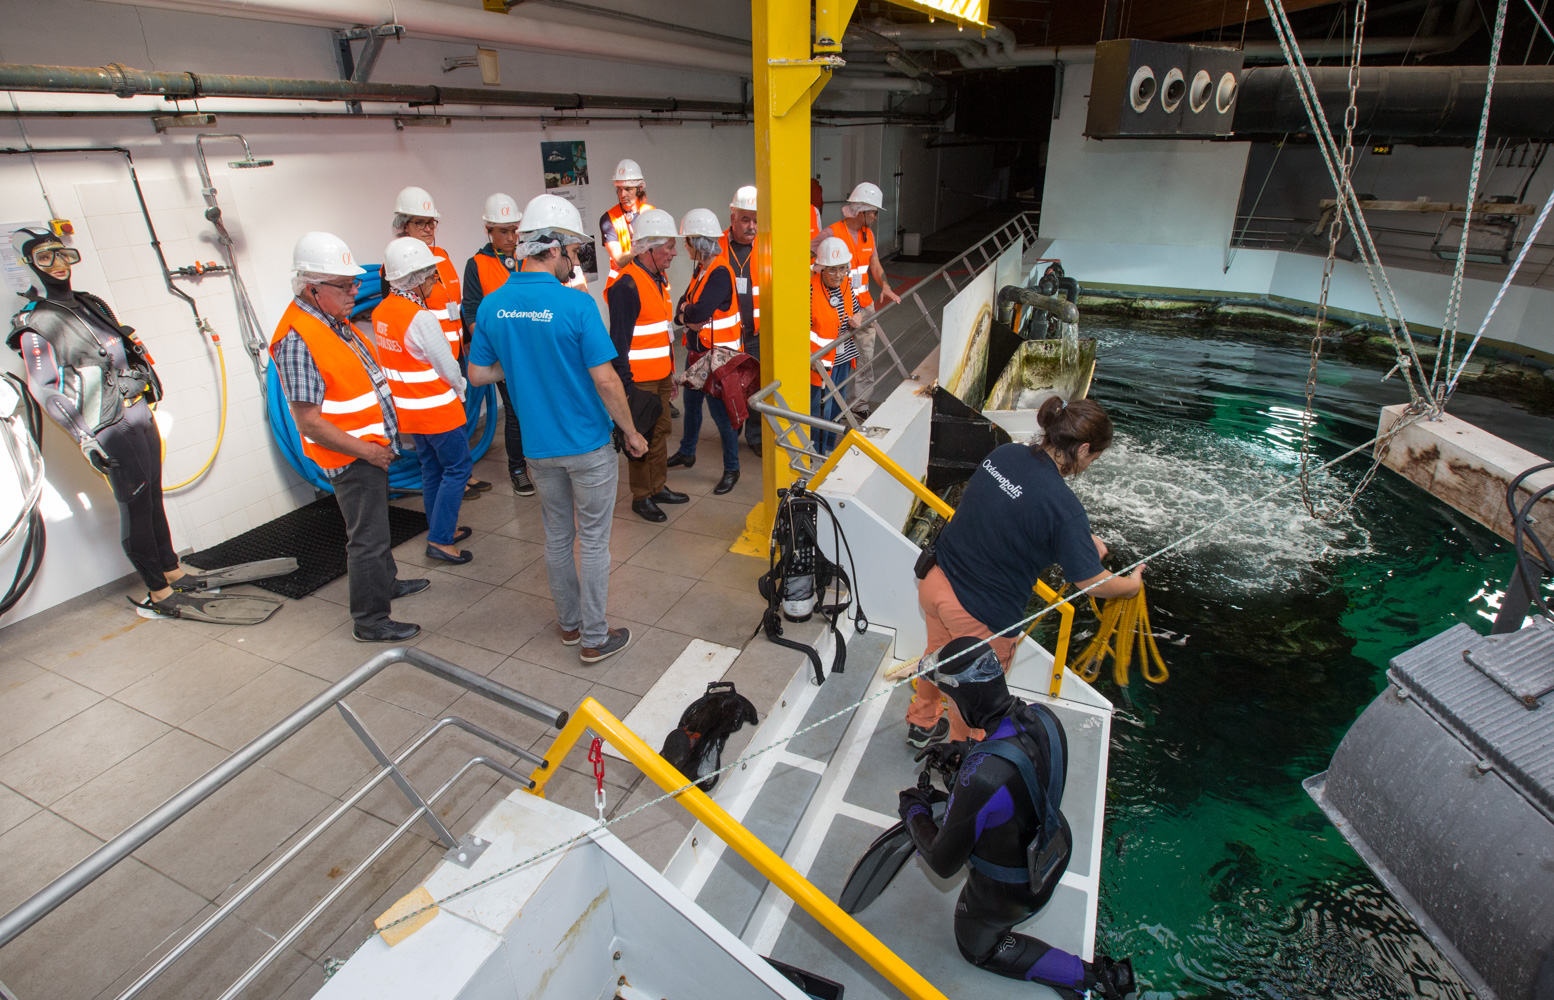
<point>948,620</point>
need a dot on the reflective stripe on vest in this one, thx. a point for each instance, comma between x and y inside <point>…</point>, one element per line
<point>723,329</point>
<point>351,401</point>
<point>622,228</point>
<point>425,403</point>
<point>445,302</point>
<point>824,325</point>
<point>862,247</point>
<point>649,355</point>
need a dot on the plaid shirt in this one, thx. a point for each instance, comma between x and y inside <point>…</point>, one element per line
<point>304,383</point>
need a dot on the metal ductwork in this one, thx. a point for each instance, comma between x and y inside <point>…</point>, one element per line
<point>1433,103</point>
<point>427,19</point>
<point>121,81</point>
<point>993,49</point>
<point>885,84</point>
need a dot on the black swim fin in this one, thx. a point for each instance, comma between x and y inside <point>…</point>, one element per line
<point>875,870</point>
<point>228,576</point>
<point>217,610</point>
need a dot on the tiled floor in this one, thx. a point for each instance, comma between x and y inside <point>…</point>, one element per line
<point>103,715</point>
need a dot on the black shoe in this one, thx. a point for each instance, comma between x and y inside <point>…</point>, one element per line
<point>755,446</point>
<point>463,533</point>
<point>648,510</point>
<point>404,588</point>
<point>521,484</point>
<point>919,737</point>
<point>386,631</point>
<point>667,495</point>
<point>674,411</point>
<point>478,485</point>
<point>680,460</point>
<point>433,552</point>
<point>730,477</point>
<point>470,493</point>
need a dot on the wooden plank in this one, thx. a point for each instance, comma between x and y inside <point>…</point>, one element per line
<point>1468,468</point>
<point>1080,23</point>
<point>1427,207</point>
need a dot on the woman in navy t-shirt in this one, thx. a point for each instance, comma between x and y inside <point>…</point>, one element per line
<point>1016,518</point>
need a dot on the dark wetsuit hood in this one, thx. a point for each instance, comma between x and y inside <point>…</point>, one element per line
<point>971,674</point>
<point>44,285</point>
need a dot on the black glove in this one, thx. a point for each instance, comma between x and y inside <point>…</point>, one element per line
<point>911,800</point>
<point>100,459</point>
<point>945,757</point>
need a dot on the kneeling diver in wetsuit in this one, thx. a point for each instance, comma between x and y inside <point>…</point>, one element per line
<point>94,379</point>
<point>1012,838</point>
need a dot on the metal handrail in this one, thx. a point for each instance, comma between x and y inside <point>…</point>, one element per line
<point>852,439</point>
<point>1023,224</point>
<point>46,900</point>
<point>591,715</point>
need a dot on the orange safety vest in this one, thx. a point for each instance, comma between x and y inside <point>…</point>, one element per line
<point>425,403</point>
<point>814,222</point>
<point>493,273</point>
<point>350,398</point>
<point>622,237</point>
<point>445,301</point>
<point>724,328</point>
<point>752,274</point>
<point>824,324</point>
<point>650,355</point>
<point>863,252</point>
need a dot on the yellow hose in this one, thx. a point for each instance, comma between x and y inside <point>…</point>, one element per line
<point>221,427</point>
<point>1124,627</point>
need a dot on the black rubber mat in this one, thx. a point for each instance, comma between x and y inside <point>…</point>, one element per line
<point>314,535</point>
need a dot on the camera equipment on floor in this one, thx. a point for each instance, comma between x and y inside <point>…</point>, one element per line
<point>795,585</point>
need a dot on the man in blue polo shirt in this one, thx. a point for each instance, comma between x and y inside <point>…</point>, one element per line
<point>548,341</point>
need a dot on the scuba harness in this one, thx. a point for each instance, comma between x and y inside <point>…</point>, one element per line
<point>796,581</point>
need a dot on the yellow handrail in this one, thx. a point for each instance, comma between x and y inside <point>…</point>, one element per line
<point>852,439</point>
<point>591,715</point>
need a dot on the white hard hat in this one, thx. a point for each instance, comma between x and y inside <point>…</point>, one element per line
<point>323,253</point>
<point>868,194</point>
<point>832,251</point>
<point>501,210</point>
<point>744,198</point>
<point>699,222</point>
<point>627,172</point>
<point>406,255</point>
<point>653,223</point>
<point>417,202</point>
<point>547,211</point>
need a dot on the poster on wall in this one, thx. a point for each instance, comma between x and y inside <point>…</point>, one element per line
<point>566,176</point>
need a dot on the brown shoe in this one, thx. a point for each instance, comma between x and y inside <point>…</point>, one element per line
<point>617,640</point>
<point>570,636</point>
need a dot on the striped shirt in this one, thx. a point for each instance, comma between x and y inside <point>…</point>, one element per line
<point>302,382</point>
<point>847,349</point>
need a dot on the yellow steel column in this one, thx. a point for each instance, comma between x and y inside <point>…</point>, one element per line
<point>787,78</point>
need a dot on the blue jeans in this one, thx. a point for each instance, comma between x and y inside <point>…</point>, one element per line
<point>692,432</point>
<point>577,503</point>
<point>445,467</point>
<point>752,345</point>
<point>825,441</point>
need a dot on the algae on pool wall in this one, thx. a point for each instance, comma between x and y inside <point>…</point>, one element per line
<point>1038,370</point>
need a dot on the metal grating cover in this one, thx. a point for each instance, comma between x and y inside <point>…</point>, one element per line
<point>1477,687</point>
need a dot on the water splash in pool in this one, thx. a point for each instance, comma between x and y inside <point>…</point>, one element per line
<point>1155,486</point>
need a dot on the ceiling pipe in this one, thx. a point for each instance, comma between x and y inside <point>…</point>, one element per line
<point>121,81</point>
<point>887,84</point>
<point>427,19</point>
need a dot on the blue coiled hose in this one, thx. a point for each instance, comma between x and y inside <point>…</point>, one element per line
<point>405,473</point>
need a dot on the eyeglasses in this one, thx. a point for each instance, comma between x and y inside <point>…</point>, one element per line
<point>836,270</point>
<point>420,223</point>
<point>349,286</point>
<point>51,256</point>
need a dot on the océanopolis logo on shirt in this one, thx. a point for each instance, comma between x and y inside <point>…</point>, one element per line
<point>1012,488</point>
<point>537,315</point>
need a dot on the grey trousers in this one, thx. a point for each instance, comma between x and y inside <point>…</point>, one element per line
<point>361,490</point>
<point>577,503</point>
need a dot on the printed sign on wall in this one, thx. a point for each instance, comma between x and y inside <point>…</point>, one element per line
<point>566,176</point>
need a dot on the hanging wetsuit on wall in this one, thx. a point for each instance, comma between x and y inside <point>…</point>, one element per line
<point>94,379</point>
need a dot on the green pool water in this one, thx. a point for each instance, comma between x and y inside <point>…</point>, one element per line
<point>1221,877</point>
